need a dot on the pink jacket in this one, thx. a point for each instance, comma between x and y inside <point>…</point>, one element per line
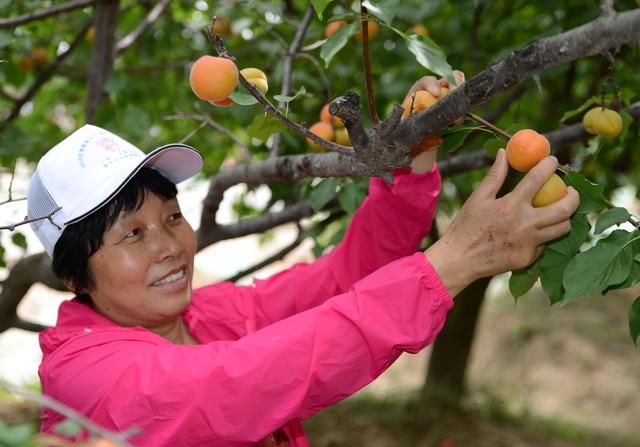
<point>271,354</point>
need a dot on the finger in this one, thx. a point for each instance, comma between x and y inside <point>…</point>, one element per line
<point>459,77</point>
<point>491,184</point>
<point>555,231</point>
<point>558,211</point>
<point>429,83</point>
<point>535,178</point>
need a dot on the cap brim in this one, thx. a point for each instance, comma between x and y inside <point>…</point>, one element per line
<point>176,162</point>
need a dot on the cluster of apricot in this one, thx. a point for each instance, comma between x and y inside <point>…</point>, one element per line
<point>330,128</point>
<point>213,79</point>
<point>524,150</point>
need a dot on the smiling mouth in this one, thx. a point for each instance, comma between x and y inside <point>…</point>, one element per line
<point>171,278</point>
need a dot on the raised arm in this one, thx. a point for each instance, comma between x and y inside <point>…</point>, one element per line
<point>238,392</point>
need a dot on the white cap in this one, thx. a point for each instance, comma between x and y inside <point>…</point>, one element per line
<point>87,169</point>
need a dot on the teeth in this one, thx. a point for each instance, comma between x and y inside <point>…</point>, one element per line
<point>170,278</point>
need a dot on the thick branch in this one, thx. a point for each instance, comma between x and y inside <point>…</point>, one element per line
<point>44,13</point>
<point>24,274</point>
<point>590,39</point>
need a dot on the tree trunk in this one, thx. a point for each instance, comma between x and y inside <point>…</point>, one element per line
<point>102,55</point>
<point>448,362</point>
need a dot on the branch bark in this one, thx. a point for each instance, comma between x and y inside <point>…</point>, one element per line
<point>102,55</point>
<point>24,274</point>
<point>44,13</point>
<point>593,38</point>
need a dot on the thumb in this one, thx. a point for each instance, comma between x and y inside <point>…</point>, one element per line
<point>492,182</point>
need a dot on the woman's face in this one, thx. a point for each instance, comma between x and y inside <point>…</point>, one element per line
<point>142,273</point>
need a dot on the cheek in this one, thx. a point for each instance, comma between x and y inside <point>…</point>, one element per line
<point>117,270</point>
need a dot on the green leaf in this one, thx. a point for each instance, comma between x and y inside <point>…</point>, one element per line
<point>19,239</point>
<point>68,427</point>
<point>634,321</point>
<point>351,195</point>
<point>263,126</point>
<point>592,271</point>
<point>323,192</point>
<point>5,3</point>
<point>521,281</point>
<point>557,255</point>
<point>492,145</point>
<point>288,99</point>
<point>243,99</point>
<point>613,216</point>
<point>454,139</point>
<point>16,435</point>
<point>337,41</point>
<point>320,6</point>
<point>386,14</point>
<point>586,105</point>
<point>591,194</point>
<point>3,263</point>
<point>429,55</point>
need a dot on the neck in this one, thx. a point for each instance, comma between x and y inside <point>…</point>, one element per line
<point>176,332</point>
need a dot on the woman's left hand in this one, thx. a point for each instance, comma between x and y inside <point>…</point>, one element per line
<point>424,154</point>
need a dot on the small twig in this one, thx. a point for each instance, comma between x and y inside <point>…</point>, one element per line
<point>13,174</point>
<point>364,24</point>
<point>186,138</point>
<point>27,220</point>
<point>487,124</point>
<point>153,15</point>
<point>69,413</point>
<point>211,123</point>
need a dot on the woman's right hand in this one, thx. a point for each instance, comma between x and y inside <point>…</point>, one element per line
<point>493,235</point>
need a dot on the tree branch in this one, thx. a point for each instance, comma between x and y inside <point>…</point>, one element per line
<point>102,55</point>
<point>153,15</point>
<point>590,39</point>
<point>25,273</point>
<point>44,13</point>
<point>364,29</point>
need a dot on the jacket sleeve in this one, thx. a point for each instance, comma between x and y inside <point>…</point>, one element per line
<point>237,392</point>
<point>390,223</point>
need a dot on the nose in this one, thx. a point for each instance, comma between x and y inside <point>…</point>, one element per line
<point>166,243</point>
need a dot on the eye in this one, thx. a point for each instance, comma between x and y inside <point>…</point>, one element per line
<point>133,233</point>
<point>176,216</point>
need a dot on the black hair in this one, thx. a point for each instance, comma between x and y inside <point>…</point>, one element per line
<point>82,239</point>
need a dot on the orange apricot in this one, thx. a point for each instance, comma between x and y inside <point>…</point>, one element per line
<point>328,118</point>
<point>553,190</point>
<point>226,102</point>
<point>428,144</point>
<point>323,130</point>
<point>420,100</point>
<point>526,148</point>
<point>213,78</point>
<point>332,27</point>
<point>602,121</point>
<point>372,30</point>
<point>420,30</point>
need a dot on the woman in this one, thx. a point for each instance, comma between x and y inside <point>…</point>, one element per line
<point>244,365</point>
